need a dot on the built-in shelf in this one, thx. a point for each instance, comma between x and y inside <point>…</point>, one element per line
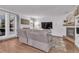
<point>68,25</point>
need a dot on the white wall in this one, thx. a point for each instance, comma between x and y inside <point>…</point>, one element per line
<point>58,21</point>
<point>58,28</point>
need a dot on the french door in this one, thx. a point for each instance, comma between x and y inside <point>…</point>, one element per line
<point>8,25</point>
<point>12,24</point>
<point>2,24</point>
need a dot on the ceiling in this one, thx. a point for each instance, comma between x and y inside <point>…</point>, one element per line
<point>43,10</point>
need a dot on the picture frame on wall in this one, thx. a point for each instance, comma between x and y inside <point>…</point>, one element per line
<point>25,21</point>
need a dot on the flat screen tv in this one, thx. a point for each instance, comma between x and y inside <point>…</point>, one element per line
<point>46,25</point>
<point>77,30</point>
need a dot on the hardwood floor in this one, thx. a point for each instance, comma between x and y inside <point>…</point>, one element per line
<point>14,46</point>
<point>70,47</point>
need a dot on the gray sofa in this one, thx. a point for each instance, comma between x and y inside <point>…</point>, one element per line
<point>36,38</point>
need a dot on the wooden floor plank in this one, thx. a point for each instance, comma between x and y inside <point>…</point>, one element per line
<point>14,46</point>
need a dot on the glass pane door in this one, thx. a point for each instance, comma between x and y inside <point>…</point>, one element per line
<point>2,25</point>
<point>11,24</point>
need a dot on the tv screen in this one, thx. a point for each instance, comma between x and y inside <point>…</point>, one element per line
<point>77,30</point>
<point>46,25</point>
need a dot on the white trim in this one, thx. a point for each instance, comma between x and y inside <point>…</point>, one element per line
<point>7,34</point>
